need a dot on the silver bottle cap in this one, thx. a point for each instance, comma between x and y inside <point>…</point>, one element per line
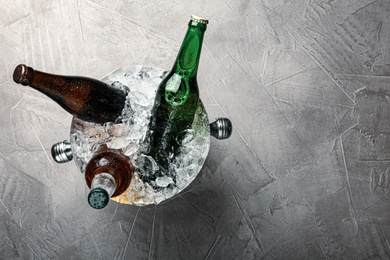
<point>62,152</point>
<point>199,19</point>
<point>221,128</point>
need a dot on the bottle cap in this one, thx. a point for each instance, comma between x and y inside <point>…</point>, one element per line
<point>222,128</point>
<point>98,198</point>
<point>62,152</point>
<point>199,19</point>
<point>20,73</point>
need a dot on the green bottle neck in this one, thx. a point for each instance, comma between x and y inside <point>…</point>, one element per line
<point>187,60</point>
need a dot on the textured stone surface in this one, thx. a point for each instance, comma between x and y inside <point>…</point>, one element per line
<point>305,174</point>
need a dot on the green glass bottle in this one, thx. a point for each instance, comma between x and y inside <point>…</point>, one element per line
<point>177,97</point>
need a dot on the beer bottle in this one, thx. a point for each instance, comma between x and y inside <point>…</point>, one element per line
<point>108,174</point>
<point>86,98</point>
<point>177,97</point>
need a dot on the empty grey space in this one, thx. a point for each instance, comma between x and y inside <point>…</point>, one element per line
<point>305,174</point>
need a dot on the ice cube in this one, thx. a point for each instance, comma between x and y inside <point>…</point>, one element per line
<point>131,149</point>
<point>153,72</point>
<point>132,71</point>
<point>185,137</point>
<point>147,165</point>
<point>116,130</point>
<point>163,181</point>
<point>139,99</point>
<point>118,143</point>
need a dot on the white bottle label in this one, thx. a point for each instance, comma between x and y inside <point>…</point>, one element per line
<point>173,83</point>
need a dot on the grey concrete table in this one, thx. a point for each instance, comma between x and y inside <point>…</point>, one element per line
<point>305,175</point>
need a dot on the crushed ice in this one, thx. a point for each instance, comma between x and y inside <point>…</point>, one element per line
<point>149,185</point>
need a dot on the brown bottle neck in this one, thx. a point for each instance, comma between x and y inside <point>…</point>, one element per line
<point>41,81</point>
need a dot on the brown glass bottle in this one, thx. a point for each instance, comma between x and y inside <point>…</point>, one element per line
<point>108,174</point>
<point>86,98</point>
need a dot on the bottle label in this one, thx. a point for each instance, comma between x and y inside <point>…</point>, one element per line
<point>177,90</point>
<point>173,83</point>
